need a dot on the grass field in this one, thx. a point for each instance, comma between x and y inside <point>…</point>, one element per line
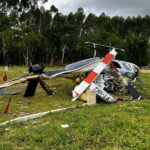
<point>122,125</point>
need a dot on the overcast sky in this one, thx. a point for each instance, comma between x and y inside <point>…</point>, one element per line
<point>110,7</point>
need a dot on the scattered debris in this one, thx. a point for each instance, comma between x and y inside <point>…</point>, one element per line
<point>6,129</point>
<point>7,106</point>
<point>65,126</point>
<point>4,77</point>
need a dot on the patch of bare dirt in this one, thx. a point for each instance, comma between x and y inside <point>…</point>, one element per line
<point>145,70</point>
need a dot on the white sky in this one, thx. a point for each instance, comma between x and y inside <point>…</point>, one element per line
<point>110,7</point>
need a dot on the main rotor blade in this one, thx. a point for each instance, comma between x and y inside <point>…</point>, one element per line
<point>102,45</point>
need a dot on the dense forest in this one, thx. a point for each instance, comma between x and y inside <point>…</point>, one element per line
<point>30,34</point>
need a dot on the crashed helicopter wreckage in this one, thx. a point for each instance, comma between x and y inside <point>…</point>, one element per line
<point>104,75</point>
<point>106,65</point>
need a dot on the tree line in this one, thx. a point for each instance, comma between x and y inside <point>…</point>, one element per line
<point>30,34</point>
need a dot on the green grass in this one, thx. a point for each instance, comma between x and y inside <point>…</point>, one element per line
<point>122,125</point>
